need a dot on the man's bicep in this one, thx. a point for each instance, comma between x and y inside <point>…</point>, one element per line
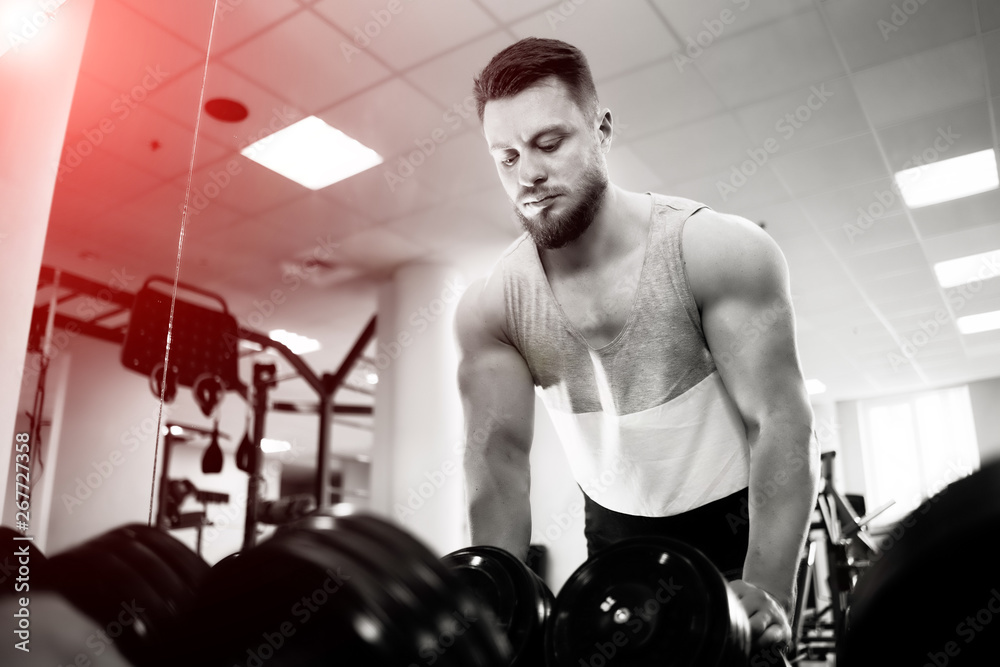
<point>494,381</point>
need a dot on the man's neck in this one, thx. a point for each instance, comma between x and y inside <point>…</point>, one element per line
<point>620,225</point>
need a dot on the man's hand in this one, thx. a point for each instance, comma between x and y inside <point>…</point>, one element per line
<point>768,621</point>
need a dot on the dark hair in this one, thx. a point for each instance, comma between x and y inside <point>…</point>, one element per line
<point>530,60</point>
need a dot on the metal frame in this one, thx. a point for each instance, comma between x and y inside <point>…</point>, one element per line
<point>325,385</point>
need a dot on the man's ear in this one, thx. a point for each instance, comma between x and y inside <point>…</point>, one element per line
<point>605,130</point>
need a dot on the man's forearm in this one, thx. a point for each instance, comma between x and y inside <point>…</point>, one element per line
<point>497,487</point>
<point>784,473</point>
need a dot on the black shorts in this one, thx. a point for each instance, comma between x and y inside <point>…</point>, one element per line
<point>720,530</point>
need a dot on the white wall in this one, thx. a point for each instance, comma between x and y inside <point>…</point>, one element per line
<point>37,80</point>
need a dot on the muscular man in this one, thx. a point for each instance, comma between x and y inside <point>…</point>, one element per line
<point>660,336</point>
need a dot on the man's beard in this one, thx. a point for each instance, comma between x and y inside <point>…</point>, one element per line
<point>552,231</point>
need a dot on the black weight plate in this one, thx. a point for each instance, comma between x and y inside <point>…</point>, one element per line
<point>175,594</point>
<point>109,591</point>
<point>321,606</point>
<point>189,566</point>
<point>647,601</point>
<point>520,601</point>
<point>449,630</point>
<point>933,594</point>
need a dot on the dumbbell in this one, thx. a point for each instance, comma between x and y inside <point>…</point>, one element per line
<point>648,601</point>
<point>932,597</point>
<point>341,588</point>
<point>135,582</point>
<point>519,599</point>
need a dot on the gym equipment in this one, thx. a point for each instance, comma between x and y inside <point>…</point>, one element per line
<point>341,588</point>
<point>202,341</point>
<point>648,601</point>
<point>135,582</point>
<point>933,596</point>
<point>519,599</point>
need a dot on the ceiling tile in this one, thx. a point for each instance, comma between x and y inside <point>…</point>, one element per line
<point>511,10</point>
<point>958,214</point>
<point>629,171</point>
<point>889,232</point>
<point>991,52</point>
<point>105,176</point>
<point>783,56</point>
<point>299,45</point>
<point>73,210</point>
<point>380,250</point>
<point>157,143</point>
<point>379,193</point>
<point>761,189</point>
<point>872,32</point>
<point>236,22</point>
<point>939,136</point>
<point>925,83</point>
<point>267,113</point>
<point>818,114</point>
<point>885,289</point>
<point>655,98</point>
<point>697,149</point>
<point>373,118</point>
<point>966,242</point>
<point>861,205</point>
<point>240,184</point>
<point>459,166</point>
<point>885,263</point>
<point>720,19</point>
<point>833,165</point>
<point>448,79</point>
<point>989,16</point>
<point>190,20</point>
<point>781,219</point>
<point>608,52</point>
<point>123,49</point>
<point>911,303</point>
<point>413,34</point>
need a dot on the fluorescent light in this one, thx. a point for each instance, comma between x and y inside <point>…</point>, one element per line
<point>949,179</point>
<point>312,153</point>
<point>969,269</point>
<point>269,446</point>
<point>296,343</point>
<point>971,324</point>
<point>814,386</point>
<point>176,430</point>
<point>372,378</point>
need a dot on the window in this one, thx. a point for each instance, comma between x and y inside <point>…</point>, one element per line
<point>914,446</point>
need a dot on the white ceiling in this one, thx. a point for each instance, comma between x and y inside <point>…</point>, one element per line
<point>682,126</point>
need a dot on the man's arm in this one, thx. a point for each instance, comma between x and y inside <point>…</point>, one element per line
<point>499,404</point>
<point>740,281</point>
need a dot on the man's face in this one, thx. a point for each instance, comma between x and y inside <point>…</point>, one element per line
<point>550,158</point>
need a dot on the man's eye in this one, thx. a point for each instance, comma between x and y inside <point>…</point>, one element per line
<point>507,162</point>
<point>548,148</point>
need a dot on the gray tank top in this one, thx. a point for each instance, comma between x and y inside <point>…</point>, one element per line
<point>646,423</point>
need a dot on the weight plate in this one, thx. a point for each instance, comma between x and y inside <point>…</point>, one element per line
<point>520,600</point>
<point>647,601</point>
<point>191,567</point>
<point>176,595</point>
<point>933,594</point>
<point>454,628</point>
